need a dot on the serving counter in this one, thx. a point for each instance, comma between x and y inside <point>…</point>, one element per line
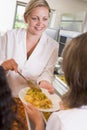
<point>59,84</point>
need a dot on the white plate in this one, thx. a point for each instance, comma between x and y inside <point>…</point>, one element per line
<point>53,97</point>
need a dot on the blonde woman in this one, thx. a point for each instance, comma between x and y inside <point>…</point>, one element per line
<point>30,51</point>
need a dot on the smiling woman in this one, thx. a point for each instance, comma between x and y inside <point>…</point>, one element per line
<point>38,51</point>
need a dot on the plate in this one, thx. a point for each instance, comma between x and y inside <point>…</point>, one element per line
<point>53,97</point>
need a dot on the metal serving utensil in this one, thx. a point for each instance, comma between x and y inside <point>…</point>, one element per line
<point>30,83</point>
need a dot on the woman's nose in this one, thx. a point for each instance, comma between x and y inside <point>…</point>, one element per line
<point>39,22</point>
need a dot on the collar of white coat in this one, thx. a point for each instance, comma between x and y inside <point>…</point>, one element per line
<point>43,39</point>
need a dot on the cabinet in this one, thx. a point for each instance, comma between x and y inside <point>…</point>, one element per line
<point>62,42</point>
<point>64,37</point>
<point>72,22</point>
<point>70,26</point>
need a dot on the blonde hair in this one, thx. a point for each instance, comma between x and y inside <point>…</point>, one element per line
<point>35,3</point>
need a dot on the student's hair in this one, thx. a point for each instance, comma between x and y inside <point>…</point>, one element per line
<point>35,3</point>
<point>8,107</point>
<point>75,70</point>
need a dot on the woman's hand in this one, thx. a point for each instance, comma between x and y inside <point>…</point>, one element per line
<point>46,85</point>
<point>35,116</point>
<point>10,65</point>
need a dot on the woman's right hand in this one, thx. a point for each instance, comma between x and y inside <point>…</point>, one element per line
<point>10,65</point>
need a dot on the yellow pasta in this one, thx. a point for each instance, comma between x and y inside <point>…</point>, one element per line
<point>38,99</point>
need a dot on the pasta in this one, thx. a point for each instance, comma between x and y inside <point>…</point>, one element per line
<point>38,99</point>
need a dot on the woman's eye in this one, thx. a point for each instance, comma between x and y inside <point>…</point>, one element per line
<point>34,18</point>
<point>45,19</point>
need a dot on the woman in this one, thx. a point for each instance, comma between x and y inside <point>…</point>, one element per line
<point>8,107</point>
<point>30,51</point>
<point>74,113</point>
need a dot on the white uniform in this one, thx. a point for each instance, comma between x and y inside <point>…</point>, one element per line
<point>72,119</point>
<point>39,66</point>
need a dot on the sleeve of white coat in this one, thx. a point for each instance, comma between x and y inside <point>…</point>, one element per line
<point>3,40</point>
<point>54,122</point>
<point>47,73</point>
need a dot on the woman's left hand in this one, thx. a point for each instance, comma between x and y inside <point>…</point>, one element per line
<point>47,85</point>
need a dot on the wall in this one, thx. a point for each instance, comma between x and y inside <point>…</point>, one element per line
<point>69,6</point>
<point>7,11</point>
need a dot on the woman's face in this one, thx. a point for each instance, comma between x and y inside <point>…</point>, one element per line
<point>38,20</point>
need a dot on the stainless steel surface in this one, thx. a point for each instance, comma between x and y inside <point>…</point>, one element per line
<point>60,87</point>
<point>30,83</point>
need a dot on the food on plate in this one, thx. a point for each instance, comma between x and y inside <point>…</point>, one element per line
<point>38,99</point>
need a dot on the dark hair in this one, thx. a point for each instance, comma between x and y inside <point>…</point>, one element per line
<point>75,70</point>
<point>8,107</point>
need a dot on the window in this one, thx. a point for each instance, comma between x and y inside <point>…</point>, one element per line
<point>19,19</point>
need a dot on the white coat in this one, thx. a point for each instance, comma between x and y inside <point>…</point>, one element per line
<point>71,119</point>
<point>39,66</point>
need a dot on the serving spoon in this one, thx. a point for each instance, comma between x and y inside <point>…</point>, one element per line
<point>30,83</point>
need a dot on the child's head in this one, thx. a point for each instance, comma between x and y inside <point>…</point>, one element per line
<point>75,70</point>
<point>8,106</point>
<point>6,100</point>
